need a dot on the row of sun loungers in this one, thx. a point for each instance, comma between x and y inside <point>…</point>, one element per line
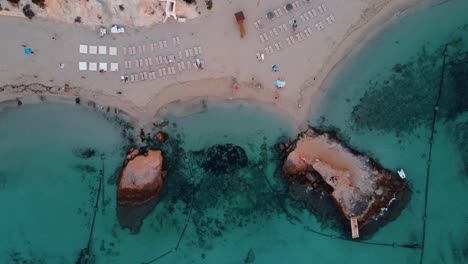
<point>140,49</point>
<point>147,62</point>
<point>166,71</point>
<point>322,8</point>
<point>94,66</point>
<point>300,36</point>
<point>101,50</point>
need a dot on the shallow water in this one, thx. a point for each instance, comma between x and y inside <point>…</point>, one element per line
<point>385,107</point>
<point>215,216</point>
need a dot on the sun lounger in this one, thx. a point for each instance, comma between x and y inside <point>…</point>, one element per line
<point>164,71</point>
<point>92,66</point>
<point>178,40</point>
<point>293,41</point>
<point>325,8</point>
<point>310,14</point>
<point>165,44</point>
<point>126,64</point>
<point>306,16</point>
<point>302,35</point>
<point>141,63</point>
<point>93,50</point>
<point>102,50</point>
<point>113,51</point>
<point>173,70</point>
<point>178,66</point>
<point>277,46</point>
<point>165,60</point>
<point>137,64</point>
<point>146,63</point>
<point>303,19</point>
<point>103,66</point>
<point>275,31</point>
<point>124,49</point>
<point>84,49</point>
<point>200,51</point>
<point>195,50</point>
<point>271,34</point>
<point>314,12</point>
<point>161,61</point>
<point>281,44</point>
<point>154,75</point>
<point>132,78</point>
<point>134,49</point>
<point>189,65</point>
<point>150,61</point>
<point>280,12</point>
<point>141,77</point>
<point>320,9</point>
<point>114,67</point>
<point>288,41</point>
<point>306,33</point>
<point>83,66</point>
<point>150,76</point>
<point>332,17</point>
<point>256,25</point>
<point>265,36</point>
<point>145,75</point>
<point>310,30</point>
<point>191,52</point>
<point>276,13</point>
<point>160,72</point>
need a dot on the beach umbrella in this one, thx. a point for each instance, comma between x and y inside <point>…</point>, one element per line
<point>27,51</point>
<point>289,7</point>
<point>270,15</point>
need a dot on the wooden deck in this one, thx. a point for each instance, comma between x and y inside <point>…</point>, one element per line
<point>354,227</point>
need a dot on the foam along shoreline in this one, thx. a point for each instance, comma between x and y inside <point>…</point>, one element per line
<point>125,111</point>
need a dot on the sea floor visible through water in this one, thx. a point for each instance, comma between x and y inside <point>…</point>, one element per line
<point>211,212</point>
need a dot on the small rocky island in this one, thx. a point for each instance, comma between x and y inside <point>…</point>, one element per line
<point>361,188</point>
<point>140,182</point>
<point>142,177</point>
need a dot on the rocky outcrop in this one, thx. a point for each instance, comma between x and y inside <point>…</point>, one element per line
<point>141,178</point>
<point>358,185</point>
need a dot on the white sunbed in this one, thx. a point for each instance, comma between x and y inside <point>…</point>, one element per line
<point>93,66</point>
<point>84,49</point>
<point>92,49</point>
<point>103,66</point>
<point>114,66</point>
<point>83,66</point>
<point>103,50</point>
<point>113,51</point>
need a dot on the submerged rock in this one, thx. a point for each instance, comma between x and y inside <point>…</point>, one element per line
<point>161,136</point>
<point>142,177</point>
<point>358,185</point>
<point>224,159</point>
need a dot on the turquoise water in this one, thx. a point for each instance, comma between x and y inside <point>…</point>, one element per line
<point>209,215</point>
<point>382,99</point>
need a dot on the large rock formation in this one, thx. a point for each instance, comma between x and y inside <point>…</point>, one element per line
<point>359,186</point>
<point>142,177</point>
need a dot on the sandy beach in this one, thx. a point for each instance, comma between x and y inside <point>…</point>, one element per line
<point>228,59</point>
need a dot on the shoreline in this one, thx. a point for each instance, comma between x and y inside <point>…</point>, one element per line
<point>211,89</point>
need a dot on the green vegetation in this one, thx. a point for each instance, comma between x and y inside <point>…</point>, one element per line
<point>40,3</point>
<point>209,4</point>
<point>14,2</point>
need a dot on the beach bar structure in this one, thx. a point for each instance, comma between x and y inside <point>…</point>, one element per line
<point>170,9</point>
<point>240,22</point>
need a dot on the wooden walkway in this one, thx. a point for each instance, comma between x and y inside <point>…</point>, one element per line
<point>354,227</point>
